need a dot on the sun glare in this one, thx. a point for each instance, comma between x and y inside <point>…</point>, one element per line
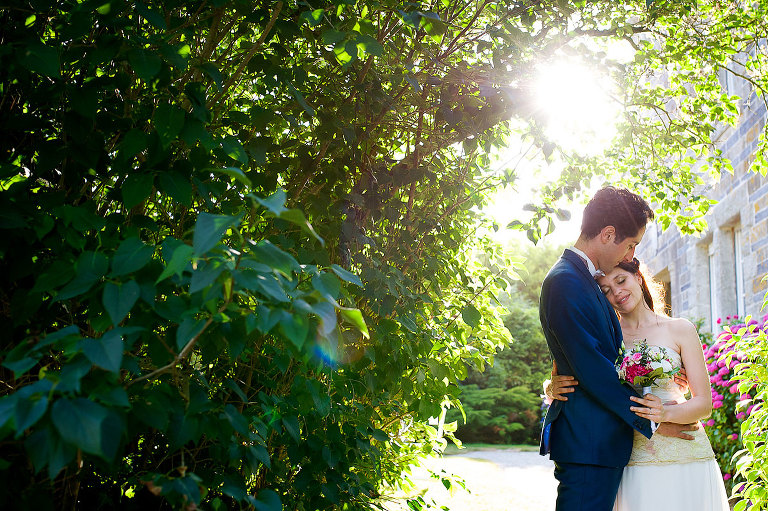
<point>578,106</point>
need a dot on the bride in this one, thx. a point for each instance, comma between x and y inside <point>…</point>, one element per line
<point>663,473</point>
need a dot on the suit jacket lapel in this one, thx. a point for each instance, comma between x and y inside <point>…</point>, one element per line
<point>610,314</point>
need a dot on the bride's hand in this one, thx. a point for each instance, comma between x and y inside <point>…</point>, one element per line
<point>559,385</point>
<point>652,409</point>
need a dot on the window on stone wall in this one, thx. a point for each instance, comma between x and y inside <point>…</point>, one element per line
<point>738,271</point>
<point>714,314</point>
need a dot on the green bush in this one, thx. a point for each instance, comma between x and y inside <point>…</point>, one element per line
<point>217,287</point>
<point>750,342</point>
<point>497,415</point>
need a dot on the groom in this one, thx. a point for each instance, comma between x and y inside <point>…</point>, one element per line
<point>589,436</point>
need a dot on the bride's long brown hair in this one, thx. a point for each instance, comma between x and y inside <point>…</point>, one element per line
<point>653,294</point>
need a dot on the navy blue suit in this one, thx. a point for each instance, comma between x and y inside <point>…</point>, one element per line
<point>589,436</point>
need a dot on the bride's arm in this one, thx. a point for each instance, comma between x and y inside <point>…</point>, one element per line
<point>700,404</point>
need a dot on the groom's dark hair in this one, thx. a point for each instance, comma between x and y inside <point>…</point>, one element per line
<point>618,207</point>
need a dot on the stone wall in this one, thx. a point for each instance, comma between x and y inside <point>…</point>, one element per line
<point>720,273</point>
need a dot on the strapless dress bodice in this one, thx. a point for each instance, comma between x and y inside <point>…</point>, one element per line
<point>662,449</point>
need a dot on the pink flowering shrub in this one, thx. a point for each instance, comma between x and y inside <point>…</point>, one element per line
<point>749,341</point>
<point>730,407</point>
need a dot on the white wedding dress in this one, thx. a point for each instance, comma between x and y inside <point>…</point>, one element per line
<point>672,474</point>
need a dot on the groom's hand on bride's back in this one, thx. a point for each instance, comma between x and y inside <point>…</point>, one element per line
<point>676,430</point>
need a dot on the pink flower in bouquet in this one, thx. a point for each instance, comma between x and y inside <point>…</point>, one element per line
<point>634,371</point>
<point>637,357</point>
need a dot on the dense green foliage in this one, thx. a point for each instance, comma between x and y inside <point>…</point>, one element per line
<point>750,342</point>
<point>502,404</point>
<point>236,239</point>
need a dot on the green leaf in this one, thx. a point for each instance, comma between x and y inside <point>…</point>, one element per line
<point>78,421</point>
<point>177,258</point>
<point>234,149</point>
<point>188,330</point>
<point>301,101</point>
<point>177,186</point>
<point>267,500</point>
<point>89,268</point>
<point>41,59</point>
<point>331,37</point>
<point>169,121</point>
<point>346,275</point>
<point>369,45</point>
<point>209,229</point>
<point>106,352</point>
<point>210,69</point>
<point>132,255</point>
<point>28,411</point>
<point>355,317</point>
<point>296,216</point>
<point>235,174</point>
<point>313,18</point>
<point>145,63</point>
<point>119,299</point>
<point>136,189</point>
<point>267,253</point>
<point>238,422</point>
<point>295,327</point>
<point>204,277</point>
<point>275,203</point>
<point>151,15</point>
<point>471,315</point>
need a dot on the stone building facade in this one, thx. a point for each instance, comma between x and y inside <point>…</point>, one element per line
<point>720,273</point>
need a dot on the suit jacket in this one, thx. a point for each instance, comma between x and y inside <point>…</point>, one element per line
<point>595,425</point>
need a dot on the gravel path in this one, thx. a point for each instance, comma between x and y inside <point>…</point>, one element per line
<point>496,480</point>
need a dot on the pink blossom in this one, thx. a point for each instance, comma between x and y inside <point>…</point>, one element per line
<point>635,371</point>
<point>728,318</point>
<point>710,422</point>
<point>726,476</point>
<point>719,320</point>
<point>744,397</point>
<point>741,415</point>
<point>721,363</point>
<point>723,371</point>
<point>734,389</point>
<point>717,404</point>
<point>749,410</point>
<point>636,357</point>
<point>733,436</point>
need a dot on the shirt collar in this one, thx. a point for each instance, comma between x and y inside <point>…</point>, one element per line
<point>590,265</point>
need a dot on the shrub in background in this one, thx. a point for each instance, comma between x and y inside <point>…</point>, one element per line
<point>749,342</point>
<point>733,402</point>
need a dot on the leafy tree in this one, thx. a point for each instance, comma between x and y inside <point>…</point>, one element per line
<point>499,415</point>
<point>235,253</point>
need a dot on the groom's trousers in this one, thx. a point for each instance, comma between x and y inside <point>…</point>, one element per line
<point>586,487</point>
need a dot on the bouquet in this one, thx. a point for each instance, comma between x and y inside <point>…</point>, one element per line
<point>642,367</point>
